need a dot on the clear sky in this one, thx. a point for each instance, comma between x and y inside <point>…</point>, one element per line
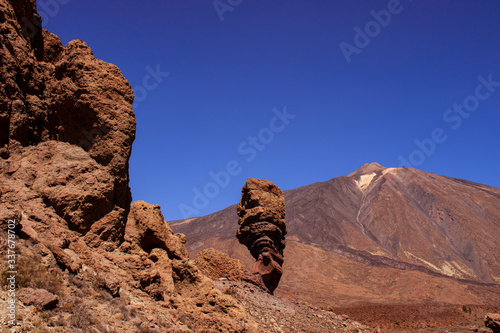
<point>295,92</point>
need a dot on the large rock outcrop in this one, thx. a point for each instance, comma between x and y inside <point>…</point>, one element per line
<point>167,273</point>
<point>262,230</point>
<point>66,132</point>
<point>69,115</point>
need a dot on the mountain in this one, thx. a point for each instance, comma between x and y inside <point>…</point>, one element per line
<point>392,235</point>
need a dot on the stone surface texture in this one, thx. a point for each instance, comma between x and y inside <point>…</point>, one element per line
<point>40,298</point>
<point>219,266</point>
<point>66,124</point>
<point>492,321</point>
<point>262,230</point>
<point>84,253</point>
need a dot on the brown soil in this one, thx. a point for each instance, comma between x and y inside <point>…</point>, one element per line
<point>276,314</point>
<point>424,317</point>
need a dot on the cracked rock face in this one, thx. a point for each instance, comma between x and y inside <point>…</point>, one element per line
<point>66,126</point>
<point>262,230</point>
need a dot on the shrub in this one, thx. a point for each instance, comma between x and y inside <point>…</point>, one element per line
<point>119,316</point>
<point>81,317</point>
<point>231,290</point>
<point>45,316</point>
<point>68,307</point>
<point>34,275</point>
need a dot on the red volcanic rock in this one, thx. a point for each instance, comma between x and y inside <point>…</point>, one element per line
<point>58,172</point>
<point>52,93</point>
<point>218,265</point>
<point>418,234</point>
<point>492,321</point>
<point>261,214</point>
<point>40,298</point>
<point>146,228</point>
<point>266,271</point>
<point>262,230</point>
<point>66,131</point>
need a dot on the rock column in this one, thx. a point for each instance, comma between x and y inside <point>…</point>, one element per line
<point>262,230</point>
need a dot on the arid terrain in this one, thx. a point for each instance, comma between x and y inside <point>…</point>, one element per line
<point>408,243</point>
<point>377,250</point>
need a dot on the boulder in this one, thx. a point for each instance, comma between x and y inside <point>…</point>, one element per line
<point>40,298</point>
<point>492,321</point>
<point>147,229</point>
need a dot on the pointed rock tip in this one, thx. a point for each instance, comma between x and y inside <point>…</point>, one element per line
<point>375,164</point>
<point>368,168</point>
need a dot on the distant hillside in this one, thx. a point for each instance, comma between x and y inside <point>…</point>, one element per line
<point>379,234</point>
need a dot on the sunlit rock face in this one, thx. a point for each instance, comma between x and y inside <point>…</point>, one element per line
<point>262,230</point>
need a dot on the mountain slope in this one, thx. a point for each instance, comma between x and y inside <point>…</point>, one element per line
<point>439,228</point>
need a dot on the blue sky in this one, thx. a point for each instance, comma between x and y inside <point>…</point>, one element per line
<point>295,92</point>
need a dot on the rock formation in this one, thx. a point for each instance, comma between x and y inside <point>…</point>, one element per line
<point>492,321</point>
<point>147,230</point>
<point>219,266</point>
<point>70,115</point>
<point>262,230</point>
<point>86,256</point>
<point>40,298</point>
<point>383,222</point>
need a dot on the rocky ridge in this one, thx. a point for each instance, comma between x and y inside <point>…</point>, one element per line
<point>492,321</point>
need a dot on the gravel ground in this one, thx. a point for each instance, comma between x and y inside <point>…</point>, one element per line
<point>281,315</point>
